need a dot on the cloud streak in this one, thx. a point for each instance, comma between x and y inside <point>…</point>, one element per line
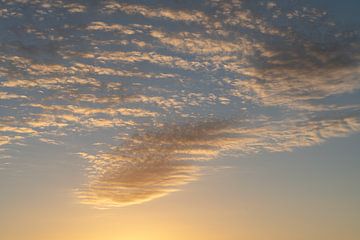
<point>173,88</point>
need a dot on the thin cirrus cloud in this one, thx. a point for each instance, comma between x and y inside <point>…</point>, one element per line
<point>178,86</point>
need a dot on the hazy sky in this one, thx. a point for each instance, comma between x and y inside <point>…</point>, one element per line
<point>206,120</point>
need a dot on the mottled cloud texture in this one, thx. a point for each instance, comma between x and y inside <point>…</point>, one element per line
<point>172,86</point>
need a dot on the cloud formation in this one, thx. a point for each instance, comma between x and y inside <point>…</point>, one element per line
<point>173,88</point>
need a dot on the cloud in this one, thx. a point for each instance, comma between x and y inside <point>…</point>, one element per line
<point>153,164</point>
<point>148,12</point>
<point>151,57</point>
<point>110,28</point>
<point>196,44</point>
<point>173,88</point>
<point>75,8</point>
<point>149,165</point>
<point>7,96</point>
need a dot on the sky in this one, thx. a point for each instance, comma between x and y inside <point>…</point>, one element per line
<point>206,120</point>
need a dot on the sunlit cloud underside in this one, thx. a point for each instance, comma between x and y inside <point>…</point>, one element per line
<point>172,85</point>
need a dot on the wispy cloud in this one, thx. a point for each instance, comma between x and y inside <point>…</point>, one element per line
<point>176,87</point>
